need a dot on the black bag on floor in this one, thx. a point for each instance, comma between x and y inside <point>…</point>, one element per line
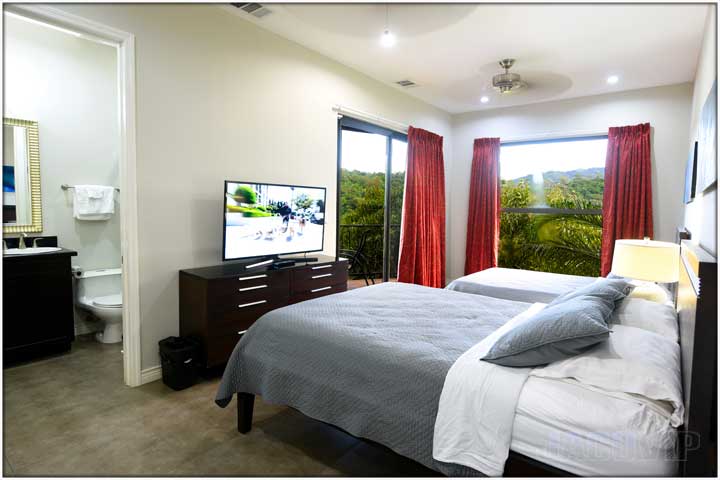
<point>180,357</point>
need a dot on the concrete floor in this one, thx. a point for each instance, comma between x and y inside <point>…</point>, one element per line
<point>71,415</point>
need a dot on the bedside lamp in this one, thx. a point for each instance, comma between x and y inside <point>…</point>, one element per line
<point>649,261</point>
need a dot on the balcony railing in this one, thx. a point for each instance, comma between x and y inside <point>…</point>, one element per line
<point>349,239</point>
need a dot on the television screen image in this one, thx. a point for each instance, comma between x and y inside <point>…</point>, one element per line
<point>265,219</point>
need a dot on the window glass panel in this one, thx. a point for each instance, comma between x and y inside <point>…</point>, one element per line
<point>362,197</point>
<point>558,243</point>
<point>556,174</point>
<point>555,179</point>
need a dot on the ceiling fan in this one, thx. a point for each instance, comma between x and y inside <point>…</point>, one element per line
<point>508,82</point>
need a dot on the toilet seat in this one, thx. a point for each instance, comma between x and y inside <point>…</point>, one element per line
<point>114,300</point>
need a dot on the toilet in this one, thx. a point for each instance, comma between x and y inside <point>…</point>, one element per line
<point>99,292</point>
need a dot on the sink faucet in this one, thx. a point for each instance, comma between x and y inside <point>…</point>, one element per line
<point>21,241</point>
<point>35,242</point>
<point>4,245</point>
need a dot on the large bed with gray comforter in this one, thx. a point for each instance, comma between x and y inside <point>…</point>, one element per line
<point>371,361</point>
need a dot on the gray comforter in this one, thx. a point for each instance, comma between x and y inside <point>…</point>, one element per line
<point>371,361</point>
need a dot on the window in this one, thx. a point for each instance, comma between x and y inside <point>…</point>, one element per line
<point>551,199</point>
<point>371,184</point>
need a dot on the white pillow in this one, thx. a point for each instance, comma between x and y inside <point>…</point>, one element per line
<point>650,291</point>
<point>634,365</point>
<point>648,315</point>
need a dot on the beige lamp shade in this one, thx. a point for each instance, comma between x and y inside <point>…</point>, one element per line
<point>647,260</point>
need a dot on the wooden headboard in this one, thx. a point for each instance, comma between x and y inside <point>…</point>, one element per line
<point>697,316</point>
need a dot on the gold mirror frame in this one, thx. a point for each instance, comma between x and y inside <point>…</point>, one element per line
<point>33,149</point>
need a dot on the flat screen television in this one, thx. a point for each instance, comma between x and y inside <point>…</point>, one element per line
<point>268,220</point>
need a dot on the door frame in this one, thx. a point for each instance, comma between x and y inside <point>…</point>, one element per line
<point>353,124</point>
<point>124,43</point>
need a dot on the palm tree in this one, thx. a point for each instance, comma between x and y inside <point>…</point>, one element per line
<point>561,243</point>
<point>568,243</point>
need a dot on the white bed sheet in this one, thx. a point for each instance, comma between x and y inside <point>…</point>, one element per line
<point>519,285</point>
<point>587,433</point>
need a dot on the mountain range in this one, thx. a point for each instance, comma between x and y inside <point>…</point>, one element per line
<point>554,176</point>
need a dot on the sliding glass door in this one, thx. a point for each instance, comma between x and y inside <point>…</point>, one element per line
<point>371,181</point>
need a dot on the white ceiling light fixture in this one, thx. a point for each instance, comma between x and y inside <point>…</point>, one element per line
<point>484,99</point>
<point>508,82</point>
<point>387,39</point>
<point>613,79</point>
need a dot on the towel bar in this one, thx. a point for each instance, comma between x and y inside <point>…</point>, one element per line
<point>65,186</point>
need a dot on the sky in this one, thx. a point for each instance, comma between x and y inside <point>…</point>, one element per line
<point>366,152</point>
<point>532,159</point>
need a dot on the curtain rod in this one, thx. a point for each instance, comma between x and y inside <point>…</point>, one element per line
<point>371,118</point>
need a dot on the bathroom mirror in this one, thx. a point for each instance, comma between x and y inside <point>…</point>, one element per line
<point>22,205</point>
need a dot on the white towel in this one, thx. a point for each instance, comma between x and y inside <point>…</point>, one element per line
<point>477,404</point>
<point>93,202</point>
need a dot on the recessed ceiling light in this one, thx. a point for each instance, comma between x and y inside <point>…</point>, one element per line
<point>387,39</point>
<point>484,99</point>
<point>613,79</point>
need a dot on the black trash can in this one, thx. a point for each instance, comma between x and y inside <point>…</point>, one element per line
<point>180,357</point>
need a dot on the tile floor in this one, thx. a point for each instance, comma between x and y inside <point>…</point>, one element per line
<point>72,415</point>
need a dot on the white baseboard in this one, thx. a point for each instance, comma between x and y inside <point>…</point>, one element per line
<point>151,374</point>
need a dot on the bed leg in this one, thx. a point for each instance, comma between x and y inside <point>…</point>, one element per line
<point>245,403</point>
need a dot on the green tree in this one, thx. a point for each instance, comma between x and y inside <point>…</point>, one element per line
<point>245,194</point>
<point>303,201</point>
<point>552,243</point>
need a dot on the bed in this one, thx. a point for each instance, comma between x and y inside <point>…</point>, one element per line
<point>520,285</point>
<point>373,361</point>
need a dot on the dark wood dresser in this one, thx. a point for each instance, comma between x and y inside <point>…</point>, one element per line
<point>38,303</point>
<point>219,303</point>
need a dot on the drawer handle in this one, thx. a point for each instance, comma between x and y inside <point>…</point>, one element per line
<point>251,288</point>
<point>321,267</point>
<point>322,276</point>
<point>243,305</point>
<point>320,289</point>
<point>253,277</point>
<point>241,332</point>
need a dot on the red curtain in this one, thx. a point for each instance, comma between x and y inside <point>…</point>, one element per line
<point>483,228</point>
<point>422,238</point>
<point>627,198</point>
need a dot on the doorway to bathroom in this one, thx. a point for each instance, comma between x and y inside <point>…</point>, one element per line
<point>105,270</point>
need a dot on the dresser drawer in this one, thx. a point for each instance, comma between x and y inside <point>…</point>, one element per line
<point>305,280</point>
<point>318,292</point>
<point>242,316</point>
<point>221,287</point>
<point>219,348</point>
<point>258,294</point>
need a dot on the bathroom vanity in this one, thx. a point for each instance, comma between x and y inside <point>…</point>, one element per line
<point>37,303</point>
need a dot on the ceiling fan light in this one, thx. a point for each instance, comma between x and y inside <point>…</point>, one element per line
<point>507,82</point>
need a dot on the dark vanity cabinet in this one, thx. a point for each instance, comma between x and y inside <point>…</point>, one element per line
<point>37,305</point>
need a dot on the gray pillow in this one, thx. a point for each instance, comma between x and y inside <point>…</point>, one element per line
<point>609,289</point>
<point>559,331</point>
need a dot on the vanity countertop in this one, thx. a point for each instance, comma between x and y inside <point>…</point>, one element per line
<point>62,251</point>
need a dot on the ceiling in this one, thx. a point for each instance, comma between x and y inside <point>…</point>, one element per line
<point>451,51</point>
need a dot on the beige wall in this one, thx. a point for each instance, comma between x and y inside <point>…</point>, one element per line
<point>666,108</point>
<point>219,98</point>
<point>701,214</point>
<point>69,86</point>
